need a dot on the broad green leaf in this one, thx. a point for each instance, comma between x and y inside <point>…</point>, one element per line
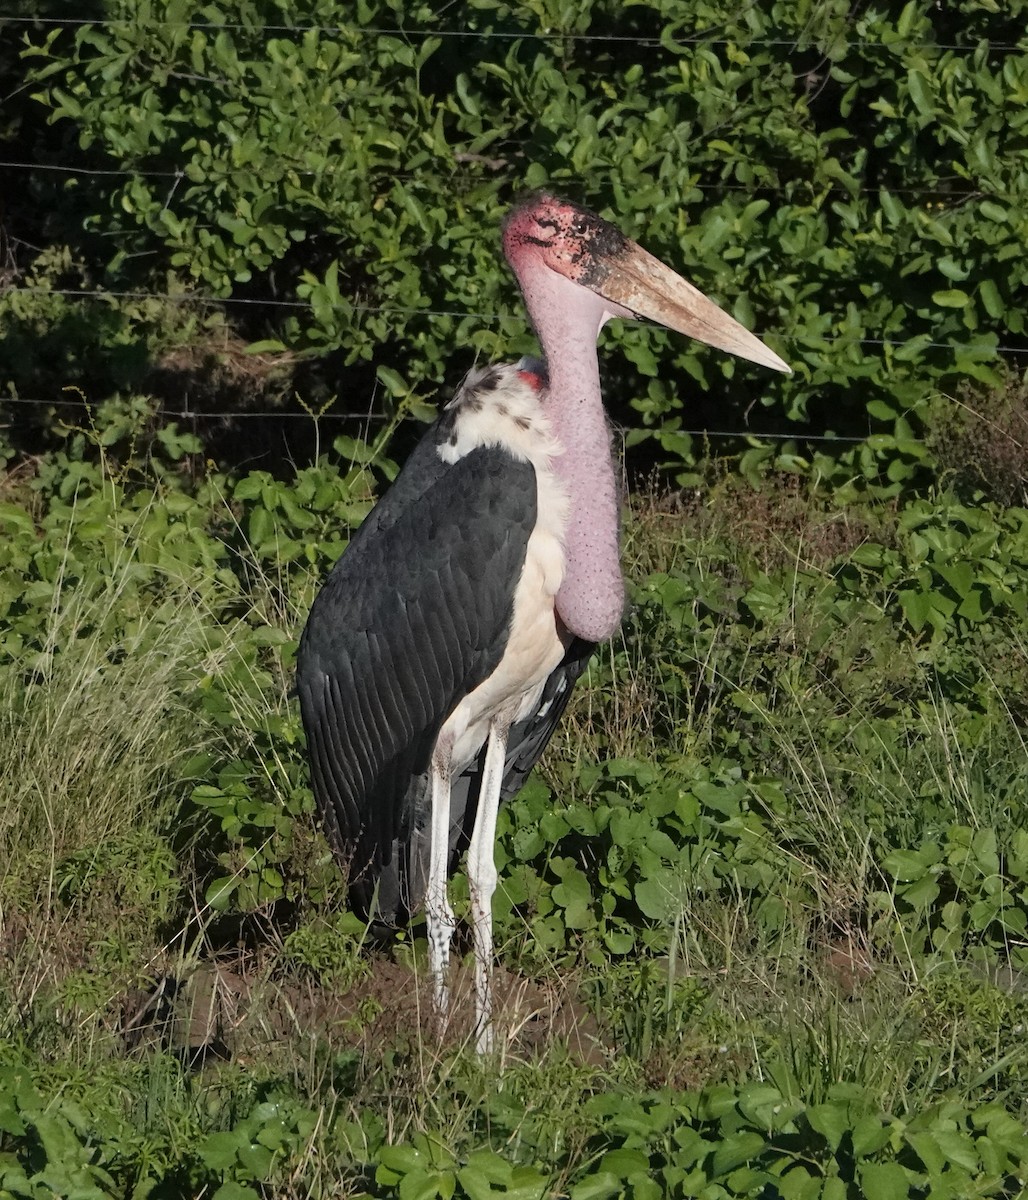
<point>920,93</point>
<point>991,298</point>
<point>235,1191</point>
<point>219,1150</point>
<point>735,1150</point>
<point>831,1121</point>
<point>951,298</point>
<point>884,1181</point>
<point>600,1185</point>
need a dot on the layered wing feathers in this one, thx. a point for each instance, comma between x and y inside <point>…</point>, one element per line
<point>413,617</point>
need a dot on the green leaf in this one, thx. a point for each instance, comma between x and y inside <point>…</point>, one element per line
<point>993,211</point>
<point>15,516</point>
<point>959,575</point>
<point>219,893</point>
<point>393,381</point>
<point>831,1121</point>
<point>958,1148</point>
<point>219,1150</point>
<point>908,18</point>
<point>658,896</point>
<point>235,1191</point>
<point>735,1150</point>
<point>992,301</point>
<point>599,1186</point>
<point>951,298</point>
<point>920,93</point>
<point>574,895</point>
<point>884,1181</point>
<point>428,1185</point>
<point>869,1135</point>
<point>625,1163</point>
<point>917,607</point>
<point>761,1104</point>
<point>905,865</point>
<point>261,527</point>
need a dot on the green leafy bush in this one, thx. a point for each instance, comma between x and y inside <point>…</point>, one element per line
<point>747,1141</point>
<point>851,183</point>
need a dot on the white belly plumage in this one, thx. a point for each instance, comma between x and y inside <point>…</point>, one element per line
<point>534,649</point>
<point>509,415</point>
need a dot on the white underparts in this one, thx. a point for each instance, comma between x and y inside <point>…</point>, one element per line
<point>508,414</point>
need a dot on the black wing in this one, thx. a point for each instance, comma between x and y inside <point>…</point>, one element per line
<point>413,617</point>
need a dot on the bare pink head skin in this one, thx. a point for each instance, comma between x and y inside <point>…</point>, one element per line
<point>577,272</point>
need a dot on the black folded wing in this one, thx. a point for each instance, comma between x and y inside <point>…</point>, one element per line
<point>414,616</point>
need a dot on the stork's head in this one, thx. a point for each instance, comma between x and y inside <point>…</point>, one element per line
<point>547,239</point>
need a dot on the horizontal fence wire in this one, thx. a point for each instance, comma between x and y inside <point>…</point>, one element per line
<point>387,311</point>
<point>189,413</point>
<point>811,42</point>
<point>727,189</point>
<point>186,414</point>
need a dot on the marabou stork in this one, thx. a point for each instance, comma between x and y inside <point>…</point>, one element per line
<point>443,648</point>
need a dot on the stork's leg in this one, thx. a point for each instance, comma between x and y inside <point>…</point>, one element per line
<point>482,879</point>
<point>438,911</point>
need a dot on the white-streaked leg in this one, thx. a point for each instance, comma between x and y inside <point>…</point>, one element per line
<point>438,910</point>
<point>482,880</point>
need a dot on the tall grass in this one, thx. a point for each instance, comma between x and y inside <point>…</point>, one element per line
<point>99,716</point>
<point>867,753</point>
<point>117,966</point>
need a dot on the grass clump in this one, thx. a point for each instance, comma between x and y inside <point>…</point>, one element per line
<point>980,440</point>
<point>761,918</point>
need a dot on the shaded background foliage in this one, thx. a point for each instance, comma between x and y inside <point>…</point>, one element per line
<point>317,187</point>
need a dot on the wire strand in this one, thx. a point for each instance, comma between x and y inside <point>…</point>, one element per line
<point>698,39</point>
<point>190,413</point>
<point>186,414</point>
<point>719,188</point>
<point>461,315</point>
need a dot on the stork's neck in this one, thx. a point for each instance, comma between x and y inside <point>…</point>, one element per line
<point>567,319</point>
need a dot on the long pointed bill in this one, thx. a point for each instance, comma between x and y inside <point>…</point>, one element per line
<point>636,280</point>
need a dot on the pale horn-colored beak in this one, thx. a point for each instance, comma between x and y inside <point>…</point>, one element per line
<point>636,280</point>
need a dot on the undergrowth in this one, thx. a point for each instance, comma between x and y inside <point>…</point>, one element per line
<point>762,915</point>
